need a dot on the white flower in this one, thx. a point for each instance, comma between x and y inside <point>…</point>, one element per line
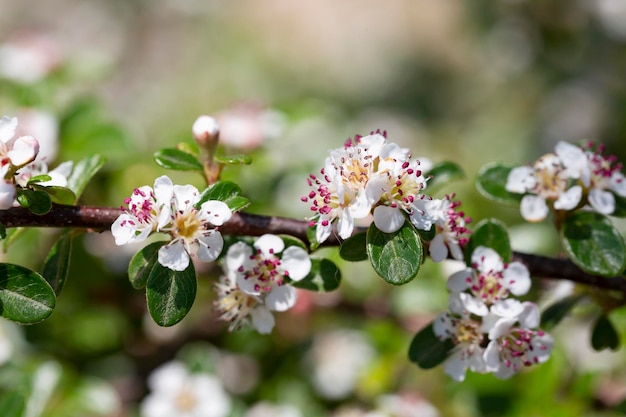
<point>147,211</point>
<point>489,282</point>
<point>548,180</point>
<point>28,57</point>
<point>58,176</point>
<point>602,177</point>
<point>467,336</point>
<point>514,347</point>
<point>449,224</point>
<point>205,129</point>
<point>176,392</point>
<point>189,228</point>
<point>18,151</point>
<point>263,273</point>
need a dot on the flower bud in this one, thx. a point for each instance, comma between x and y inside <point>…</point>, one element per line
<point>24,151</point>
<point>205,130</point>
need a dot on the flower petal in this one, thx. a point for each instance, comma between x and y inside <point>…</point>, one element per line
<point>24,151</point>
<point>520,180</point>
<point>7,194</point>
<point>217,212</point>
<point>184,197</point>
<point>569,199</point>
<point>262,320</point>
<point>438,249</point>
<point>297,262</point>
<point>460,280</point>
<point>8,125</point>
<point>533,208</point>
<point>602,201</point>
<point>388,219</point>
<point>174,256</point>
<point>210,247</point>
<point>269,245</point>
<point>509,307</point>
<point>517,278</point>
<point>281,298</point>
<point>236,255</point>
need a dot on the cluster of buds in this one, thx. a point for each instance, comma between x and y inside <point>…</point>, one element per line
<point>567,179</point>
<point>173,209</point>
<point>491,331</point>
<point>19,163</point>
<point>256,281</point>
<point>372,177</point>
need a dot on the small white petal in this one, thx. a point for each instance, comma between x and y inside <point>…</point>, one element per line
<point>323,232</point>
<point>184,197</point>
<point>345,224</point>
<point>517,278</point>
<point>474,305</point>
<point>7,194</point>
<point>533,208</point>
<point>455,366</point>
<point>502,327</point>
<point>297,262</point>
<point>210,246</point>
<point>217,212</point>
<point>361,206</point>
<point>569,199</point>
<point>168,377</point>
<point>520,180</point>
<point>492,357</point>
<point>249,286</point>
<point>388,219</point>
<point>487,259</point>
<point>174,256</point>
<point>442,326</point>
<point>122,229</point>
<point>24,151</point>
<point>529,318</point>
<point>460,280</point>
<point>236,255</point>
<point>509,307</point>
<point>262,320</point>
<point>618,184</point>
<point>269,245</point>
<point>281,298</point>
<point>438,249</point>
<point>163,190</point>
<point>573,158</point>
<point>602,201</point>
<point>8,125</point>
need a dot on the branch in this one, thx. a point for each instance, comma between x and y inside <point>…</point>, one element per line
<point>245,224</point>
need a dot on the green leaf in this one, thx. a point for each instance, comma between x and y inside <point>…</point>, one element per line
<point>57,264</point>
<point>324,276</point>
<point>427,350</point>
<point>594,244</point>
<point>226,191</point>
<point>557,311</point>
<point>189,147</point>
<point>39,178</point>
<point>397,256</point>
<point>13,404</point>
<point>83,172</point>
<point>170,293</point>
<point>443,173</point>
<point>354,248</point>
<point>59,195</point>
<point>141,264</point>
<point>3,232</point>
<point>604,335</point>
<point>38,202</point>
<point>492,234</point>
<point>311,236</point>
<point>620,206</point>
<point>172,158</point>
<point>234,160</point>
<point>25,296</point>
<point>292,241</point>
<point>491,181</point>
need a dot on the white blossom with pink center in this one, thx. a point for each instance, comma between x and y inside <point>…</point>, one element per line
<point>467,335</point>
<point>147,210</point>
<point>514,344</point>
<point>192,228</point>
<point>263,273</point>
<point>488,284</point>
<point>58,176</point>
<point>548,180</point>
<point>174,391</point>
<point>449,228</point>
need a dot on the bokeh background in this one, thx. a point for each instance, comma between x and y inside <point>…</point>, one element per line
<point>469,82</point>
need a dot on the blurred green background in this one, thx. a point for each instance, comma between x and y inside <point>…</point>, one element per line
<point>469,82</point>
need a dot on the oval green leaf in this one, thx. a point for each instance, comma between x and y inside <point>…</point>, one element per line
<point>141,264</point>
<point>397,256</point>
<point>37,202</point>
<point>226,191</point>
<point>354,248</point>
<point>620,206</point>
<point>59,195</point>
<point>324,276</point>
<point>234,160</point>
<point>170,294</point>
<point>443,173</point>
<point>604,335</point>
<point>427,350</point>
<point>557,311</point>
<point>492,234</point>
<point>83,172</point>
<point>25,296</point>
<point>39,178</point>
<point>594,244</point>
<point>172,158</point>
<point>57,264</point>
<point>491,181</point>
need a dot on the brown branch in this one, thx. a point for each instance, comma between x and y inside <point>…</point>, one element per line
<point>244,224</point>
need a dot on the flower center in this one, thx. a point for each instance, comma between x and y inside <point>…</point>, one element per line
<point>516,348</point>
<point>265,272</point>
<point>186,401</point>
<point>467,332</point>
<point>550,181</point>
<point>187,225</point>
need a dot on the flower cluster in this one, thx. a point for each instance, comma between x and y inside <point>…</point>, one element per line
<point>256,281</point>
<point>18,163</point>
<point>491,332</point>
<point>372,177</point>
<point>173,209</point>
<point>567,179</point>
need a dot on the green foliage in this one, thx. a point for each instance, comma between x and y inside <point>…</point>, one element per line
<point>25,296</point>
<point>141,264</point>
<point>397,256</point>
<point>170,294</point>
<point>58,195</point>
<point>443,173</point>
<point>604,335</point>
<point>226,191</point>
<point>57,264</point>
<point>557,311</point>
<point>354,249</point>
<point>37,202</point>
<point>620,206</point>
<point>324,276</point>
<point>234,159</point>
<point>173,158</point>
<point>492,234</point>
<point>491,182</point>
<point>39,178</point>
<point>427,350</point>
<point>311,236</point>
<point>83,172</point>
<point>594,244</point>
<point>13,404</point>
